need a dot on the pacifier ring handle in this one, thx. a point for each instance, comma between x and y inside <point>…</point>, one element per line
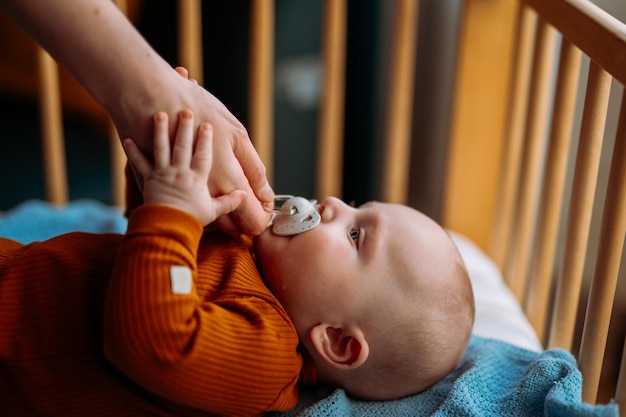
<point>280,199</point>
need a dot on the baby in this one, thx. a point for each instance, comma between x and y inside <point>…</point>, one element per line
<point>378,294</point>
<point>172,319</point>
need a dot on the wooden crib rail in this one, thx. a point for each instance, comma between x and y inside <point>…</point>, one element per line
<point>605,33</point>
<point>543,254</point>
<point>605,277</point>
<point>537,141</point>
<point>598,34</point>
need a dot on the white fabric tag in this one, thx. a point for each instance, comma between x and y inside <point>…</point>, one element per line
<point>181,279</point>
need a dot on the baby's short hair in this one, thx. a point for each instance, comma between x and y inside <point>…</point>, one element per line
<point>421,345</point>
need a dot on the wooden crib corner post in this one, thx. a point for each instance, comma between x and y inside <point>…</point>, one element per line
<point>482,81</point>
<point>52,130</point>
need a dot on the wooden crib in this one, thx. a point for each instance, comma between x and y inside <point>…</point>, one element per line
<point>523,179</point>
<point>532,175</point>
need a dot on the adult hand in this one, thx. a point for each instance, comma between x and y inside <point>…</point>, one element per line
<point>236,165</point>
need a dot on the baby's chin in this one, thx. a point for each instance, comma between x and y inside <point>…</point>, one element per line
<point>267,245</point>
<point>261,241</point>
<point>263,245</point>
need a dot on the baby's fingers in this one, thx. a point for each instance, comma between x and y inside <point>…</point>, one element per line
<point>202,159</point>
<point>137,159</point>
<point>161,143</point>
<point>183,147</point>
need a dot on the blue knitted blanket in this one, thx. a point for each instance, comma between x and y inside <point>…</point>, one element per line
<point>36,220</point>
<point>494,379</point>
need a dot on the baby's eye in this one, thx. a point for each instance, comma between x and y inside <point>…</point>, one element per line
<point>354,234</point>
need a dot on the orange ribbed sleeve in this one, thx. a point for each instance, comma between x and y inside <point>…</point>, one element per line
<point>226,346</point>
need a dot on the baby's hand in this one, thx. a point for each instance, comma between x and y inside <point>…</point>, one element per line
<point>179,175</point>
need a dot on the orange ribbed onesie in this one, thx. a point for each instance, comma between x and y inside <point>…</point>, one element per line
<point>103,325</point>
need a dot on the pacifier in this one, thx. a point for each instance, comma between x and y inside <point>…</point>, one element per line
<point>293,215</point>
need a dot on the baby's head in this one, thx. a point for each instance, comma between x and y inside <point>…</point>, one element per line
<point>378,294</point>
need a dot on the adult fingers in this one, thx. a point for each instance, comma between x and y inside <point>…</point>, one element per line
<point>183,72</point>
<point>226,203</point>
<point>250,216</point>
<point>253,167</point>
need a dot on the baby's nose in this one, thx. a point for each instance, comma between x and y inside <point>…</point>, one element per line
<point>330,207</point>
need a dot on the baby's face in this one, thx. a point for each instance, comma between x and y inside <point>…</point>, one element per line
<point>344,263</point>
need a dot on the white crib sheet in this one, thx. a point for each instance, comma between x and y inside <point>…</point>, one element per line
<point>498,313</point>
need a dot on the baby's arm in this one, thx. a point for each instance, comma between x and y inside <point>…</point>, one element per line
<point>195,350</point>
<point>178,176</point>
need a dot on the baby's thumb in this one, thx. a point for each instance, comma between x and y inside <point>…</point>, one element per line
<point>228,203</point>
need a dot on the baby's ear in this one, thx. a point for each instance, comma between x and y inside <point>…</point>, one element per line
<point>344,348</point>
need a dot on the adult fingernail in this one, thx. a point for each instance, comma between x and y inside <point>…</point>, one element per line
<point>266,193</point>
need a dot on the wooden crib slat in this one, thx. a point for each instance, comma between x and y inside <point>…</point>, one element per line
<point>532,169</point>
<point>522,68</point>
<point>536,306</point>
<point>329,175</point>
<point>118,156</point>
<point>117,164</point>
<point>604,282</point>
<point>261,80</point>
<point>55,169</point>
<point>190,37</point>
<point>581,205</point>
<point>482,81</point>
<point>395,177</point>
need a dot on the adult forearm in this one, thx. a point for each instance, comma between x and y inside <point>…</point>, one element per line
<point>104,51</point>
<point>99,46</point>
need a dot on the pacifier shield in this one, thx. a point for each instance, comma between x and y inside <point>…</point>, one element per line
<point>296,215</point>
